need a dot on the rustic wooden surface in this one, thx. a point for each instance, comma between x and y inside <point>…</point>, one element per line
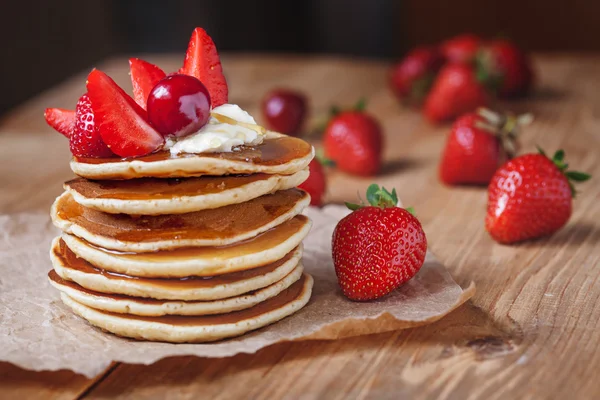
<point>531,331</point>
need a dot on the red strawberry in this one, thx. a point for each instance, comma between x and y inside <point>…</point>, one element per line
<point>316,183</point>
<point>61,120</point>
<point>412,77</point>
<point>378,248</point>
<point>461,48</point>
<point>353,141</point>
<point>144,76</point>
<point>530,196</point>
<point>202,61</point>
<point>121,122</point>
<point>478,143</point>
<point>455,91</point>
<point>504,60</point>
<point>85,141</point>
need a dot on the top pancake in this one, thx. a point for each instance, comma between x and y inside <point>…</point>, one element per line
<point>278,154</point>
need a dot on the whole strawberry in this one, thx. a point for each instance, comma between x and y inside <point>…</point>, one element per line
<point>377,248</point>
<point>461,49</point>
<point>530,197</point>
<point>510,66</point>
<point>316,184</point>
<point>411,78</point>
<point>456,90</point>
<point>353,141</point>
<point>85,141</point>
<point>478,144</point>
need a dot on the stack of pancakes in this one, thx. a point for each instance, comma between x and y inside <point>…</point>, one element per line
<point>189,248</point>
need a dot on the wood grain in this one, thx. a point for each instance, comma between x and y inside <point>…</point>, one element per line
<point>531,331</point>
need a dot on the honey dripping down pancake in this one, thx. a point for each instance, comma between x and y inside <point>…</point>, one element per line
<point>217,227</point>
<point>151,307</point>
<point>263,249</point>
<point>278,154</point>
<point>72,268</point>
<point>180,329</point>
<point>152,196</point>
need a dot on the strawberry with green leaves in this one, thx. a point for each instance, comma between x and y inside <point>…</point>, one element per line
<point>531,196</point>
<point>378,247</point>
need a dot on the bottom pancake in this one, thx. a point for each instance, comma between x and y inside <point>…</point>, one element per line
<point>182,329</point>
<point>155,308</point>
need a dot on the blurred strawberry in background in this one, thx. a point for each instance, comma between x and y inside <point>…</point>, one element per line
<point>461,48</point>
<point>316,184</point>
<point>411,78</point>
<point>353,141</point>
<point>465,72</point>
<point>457,90</point>
<point>284,111</point>
<point>511,67</point>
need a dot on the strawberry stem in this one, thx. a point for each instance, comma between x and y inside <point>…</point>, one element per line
<point>505,127</point>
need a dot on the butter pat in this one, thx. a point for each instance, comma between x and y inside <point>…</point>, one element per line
<point>218,135</point>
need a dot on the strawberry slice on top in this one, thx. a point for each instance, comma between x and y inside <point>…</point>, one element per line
<point>144,76</point>
<point>202,61</point>
<point>122,123</point>
<point>61,120</point>
<point>85,140</point>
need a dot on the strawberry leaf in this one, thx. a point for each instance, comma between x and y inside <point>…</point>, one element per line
<point>559,155</point>
<point>361,104</point>
<point>353,206</point>
<point>334,110</point>
<point>541,151</point>
<point>394,196</point>
<point>578,176</point>
<point>410,210</point>
<point>372,194</point>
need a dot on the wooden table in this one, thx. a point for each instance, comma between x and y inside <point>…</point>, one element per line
<point>531,331</point>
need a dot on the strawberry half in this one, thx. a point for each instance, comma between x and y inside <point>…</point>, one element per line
<point>120,121</point>
<point>85,140</point>
<point>202,61</point>
<point>144,76</point>
<point>61,120</point>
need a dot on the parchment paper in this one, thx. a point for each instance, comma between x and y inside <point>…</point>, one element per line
<point>37,332</point>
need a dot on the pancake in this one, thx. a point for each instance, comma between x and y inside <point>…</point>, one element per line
<point>261,250</point>
<point>155,308</point>
<point>151,196</point>
<point>71,268</point>
<point>207,328</point>
<point>217,227</point>
<point>278,154</point>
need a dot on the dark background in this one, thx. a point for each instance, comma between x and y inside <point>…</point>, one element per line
<point>44,42</point>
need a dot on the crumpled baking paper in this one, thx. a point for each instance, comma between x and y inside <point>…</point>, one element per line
<point>38,332</point>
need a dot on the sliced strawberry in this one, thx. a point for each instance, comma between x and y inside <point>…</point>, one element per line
<point>202,61</point>
<point>61,120</point>
<point>121,122</point>
<point>85,140</point>
<point>144,76</point>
